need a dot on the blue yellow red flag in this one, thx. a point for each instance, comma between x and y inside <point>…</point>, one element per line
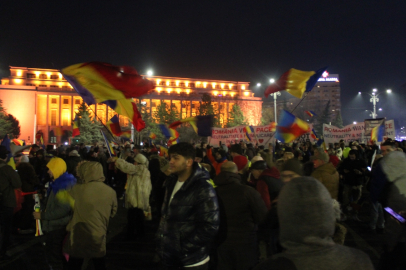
<point>110,148</point>
<point>96,82</point>
<point>127,108</point>
<point>290,127</point>
<point>202,124</point>
<point>377,133</point>
<point>6,143</point>
<point>295,82</point>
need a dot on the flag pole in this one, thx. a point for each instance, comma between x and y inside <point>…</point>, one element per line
<point>107,143</point>
<point>299,102</point>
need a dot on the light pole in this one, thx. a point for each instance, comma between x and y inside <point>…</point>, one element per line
<point>374,99</point>
<point>274,104</point>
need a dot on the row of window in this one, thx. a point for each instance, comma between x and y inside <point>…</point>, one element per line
<point>192,85</point>
<point>51,86</point>
<point>42,76</point>
<point>65,101</point>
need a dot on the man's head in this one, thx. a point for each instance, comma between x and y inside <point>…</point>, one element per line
<point>257,168</point>
<point>136,149</point>
<point>243,145</point>
<point>235,150</point>
<point>229,166</point>
<point>199,155</point>
<point>291,169</point>
<point>181,157</point>
<point>387,147</point>
<point>352,155</point>
<point>3,153</point>
<point>321,159</point>
<point>220,154</point>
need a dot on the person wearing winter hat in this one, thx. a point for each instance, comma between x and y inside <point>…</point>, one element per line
<point>57,213</point>
<point>138,190</point>
<point>307,224</point>
<point>266,181</point>
<point>243,169</point>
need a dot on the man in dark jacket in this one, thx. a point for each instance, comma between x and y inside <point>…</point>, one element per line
<point>9,180</point>
<point>190,213</point>
<point>72,162</point>
<point>241,210</point>
<point>267,181</point>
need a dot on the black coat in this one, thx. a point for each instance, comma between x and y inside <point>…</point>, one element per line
<point>241,209</point>
<point>71,164</point>
<point>190,223</point>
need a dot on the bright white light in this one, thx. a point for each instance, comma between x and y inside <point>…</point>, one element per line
<point>374,90</point>
<point>389,91</point>
<point>354,123</point>
<point>149,73</point>
<point>380,109</point>
<point>258,84</point>
<point>66,143</point>
<point>359,93</point>
<point>373,94</point>
<point>272,80</point>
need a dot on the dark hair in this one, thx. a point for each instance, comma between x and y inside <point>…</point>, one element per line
<point>137,147</point>
<point>222,153</point>
<point>183,149</point>
<point>130,160</point>
<point>236,148</point>
<point>353,152</point>
<point>388,143</point>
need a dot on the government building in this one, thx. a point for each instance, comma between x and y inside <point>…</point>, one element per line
<point>42,100</point>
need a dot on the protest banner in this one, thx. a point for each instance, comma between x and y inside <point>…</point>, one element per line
<point>354,132</point>
<point>261,135</point>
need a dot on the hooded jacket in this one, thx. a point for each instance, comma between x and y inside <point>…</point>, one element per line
<point>391,174</point>
<point>216,163</point>
<point>328,176</point>
<point>307,223</point>
<point>95,204</point>
<point>57,213</point>
<point>238,217</point>
<point>138,184</point>
<point>190,222</point>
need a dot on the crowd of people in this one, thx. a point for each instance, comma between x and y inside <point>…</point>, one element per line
<point>237,206</point>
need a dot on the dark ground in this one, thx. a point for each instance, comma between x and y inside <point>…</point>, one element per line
<point>122,253</point>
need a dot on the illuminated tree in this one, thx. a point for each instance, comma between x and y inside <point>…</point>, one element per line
<point>267,116</point>
<point>236,117</point>
<point>6,126</point>
<point>338,121</point>
<point>89,128</point>
<point>166,114</point>
<point>15,125</point>
<point>324,118</point>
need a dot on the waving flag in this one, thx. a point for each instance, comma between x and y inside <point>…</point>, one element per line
<point>108,144</point>
<point>290,127</point>
<point>314,135</point>
<point>127,108</point>
<point>202,124</point>
<point>295,82</point>
<point>75,127</point>
<point>272,126</point>
<point>96,82</point>
<point>126,134</point>
<point>114,125</point>
<point>310,113</point>
<point>248,130</point>
<point>377,133</point>
<point>163,151</point>
<point>6,143</point>
<point>18,142</point>
<point>152,136</point>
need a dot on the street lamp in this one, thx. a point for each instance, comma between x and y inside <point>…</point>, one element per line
<point>258,84</point>
<point>274,104</point>
<point>272,80</point>
<point>374,99</point>
<point>149,73</point>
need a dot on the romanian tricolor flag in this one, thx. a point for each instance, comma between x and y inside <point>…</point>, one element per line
<point>6,143</point>
<point>58,131</point>
<point>108,144</point>
<point>378,133</point>
<point>152,136</point>
<point>248,130</point>
<point>127,108</point>
<point>310,113</point>
<point>114,125</point>
<point>96,82</point>
<point>202,124</point>
<point>75,128</point>
<point>272,126</point>
<point>290,127</point>
<point>41,139</point>
<point>126,134</point>
<point>18,142</point>
<point>295,82</point>
<point>314,135</point>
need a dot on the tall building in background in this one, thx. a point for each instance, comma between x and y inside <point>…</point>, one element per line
<point>42,100</point>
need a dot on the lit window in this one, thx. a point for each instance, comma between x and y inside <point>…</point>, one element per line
<point>43,76</point>
<point>54,77</point>
<point>30,75</point>
<point>169,90</point>
<point>17,81</point>
<point>167,83</point>
<point>53,117</point>
<point>53,100</point>
<point>158,81</point>
<point>177,83</point>
<point>230,86</point>
<point>65,101</point>
<point>246,94</point>
<point>215,93</point>
<point>19,73</point>
<point>77,101</point>
<point>243,87</point>
<point>204,84</point>
<point>213,85</point>
<point>187,84</point>
<point>224,93</point>
<point>65,117</point>
<point>187,91</point>
<point>222,86</point>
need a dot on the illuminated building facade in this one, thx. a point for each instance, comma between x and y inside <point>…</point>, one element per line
<point>41,99</point>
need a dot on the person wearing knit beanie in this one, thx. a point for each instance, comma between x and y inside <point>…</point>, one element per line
<point>241,162</point>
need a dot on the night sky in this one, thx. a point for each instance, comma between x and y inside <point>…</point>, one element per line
<point>362,41</point>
